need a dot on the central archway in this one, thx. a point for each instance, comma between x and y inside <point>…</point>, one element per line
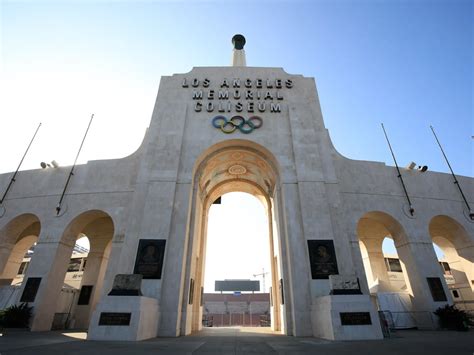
<point>232,166</point>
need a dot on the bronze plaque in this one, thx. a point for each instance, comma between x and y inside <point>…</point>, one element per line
<point>322,259</point>
<point>150,256</point>
<point>85,295</point>
<point>436,288</point>
<point>282,293</point>
<point>31,289</point>
<point>355,318</point>
<point>114,318</point>
<point>191,291</point>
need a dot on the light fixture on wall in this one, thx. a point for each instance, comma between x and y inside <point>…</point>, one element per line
<point>54,164</point>
<point>421,168</point>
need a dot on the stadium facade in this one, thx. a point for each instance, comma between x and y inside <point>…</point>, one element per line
<point>216,130</point>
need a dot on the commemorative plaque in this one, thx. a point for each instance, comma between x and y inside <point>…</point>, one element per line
<point>191,291</point>
<point>31,289</point>
<point>150,256</point>
<point>115,318</point>
<point>355,318</point>
<point>322,259</point>
<point>85,295</point>
<point>436,288</point>
<point>282,292</point>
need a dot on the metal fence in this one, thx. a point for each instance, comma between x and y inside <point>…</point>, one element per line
<point>230,319</point>
<point>393,321</point>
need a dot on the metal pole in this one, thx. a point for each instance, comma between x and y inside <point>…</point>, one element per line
<point>19,165</point>
<point>412,210</point>
<point>456,182</point>
<point>71,173</point>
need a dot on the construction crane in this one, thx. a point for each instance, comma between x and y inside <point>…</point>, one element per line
<point>263,273</point>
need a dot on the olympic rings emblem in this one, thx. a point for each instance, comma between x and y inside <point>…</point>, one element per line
<point>244,126</point>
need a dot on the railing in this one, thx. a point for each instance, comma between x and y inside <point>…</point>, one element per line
<point>230,319</point>
<point>391,321</point>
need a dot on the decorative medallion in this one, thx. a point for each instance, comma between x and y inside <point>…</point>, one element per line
<point>237,170</point>
<point>262,164</point>
<point>236,156</point>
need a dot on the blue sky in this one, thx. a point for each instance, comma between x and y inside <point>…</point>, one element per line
<point>405,63</point>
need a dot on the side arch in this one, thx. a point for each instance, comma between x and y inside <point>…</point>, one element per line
<point>458,247</point>
<point>16,237</point>
<point>99,227</point>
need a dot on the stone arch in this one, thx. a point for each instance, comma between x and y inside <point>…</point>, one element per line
<point>99,227</point>
<point>251,167</point>
<point>232,165</point>
<point>418,262</point>
<point>458,248</point>
<point>16,237</point>
<point>372,228</point>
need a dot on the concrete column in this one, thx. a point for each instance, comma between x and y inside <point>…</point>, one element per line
<point>298,283</point>
<point>376,261</point>
<point>275,309</point>
<point>50,263</point>
<point>419,261</point>
<point>5,254</point>
<point>282,265</point>
<point>200,266</point>
<point>466,254</point>
<point>94,276</point>
<point>172,284</point>
<point>190,259</point>
<point>359,265</point>
<point>13,262</point>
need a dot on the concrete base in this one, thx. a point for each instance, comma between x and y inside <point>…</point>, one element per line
<point>326,320</point>
<point>143,322</point>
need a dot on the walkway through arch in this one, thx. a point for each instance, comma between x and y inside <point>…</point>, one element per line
<point>234,165</point>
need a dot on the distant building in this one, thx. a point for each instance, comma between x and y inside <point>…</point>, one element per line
<point>228,310</point>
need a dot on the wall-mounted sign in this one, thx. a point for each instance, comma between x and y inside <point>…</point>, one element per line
<point>238,95</point>
<point>150,256</point>
<point>31,289</point>
<point>282,293</point>
<point>115,318</point>
<point>191,291</point>
<point>85,295</point>
<point>322,258</point>
<point>436,288</point>
<point>355,318</point>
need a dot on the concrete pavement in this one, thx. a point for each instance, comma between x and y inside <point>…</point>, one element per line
<point>238,341</point>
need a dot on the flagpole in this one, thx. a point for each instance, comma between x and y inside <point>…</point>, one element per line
<point>456,182</point>
<point>71,173</point>
<point>19,165</point>
<point>412,210</point>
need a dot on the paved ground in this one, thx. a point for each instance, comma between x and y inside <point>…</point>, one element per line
<point>239,341</point>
